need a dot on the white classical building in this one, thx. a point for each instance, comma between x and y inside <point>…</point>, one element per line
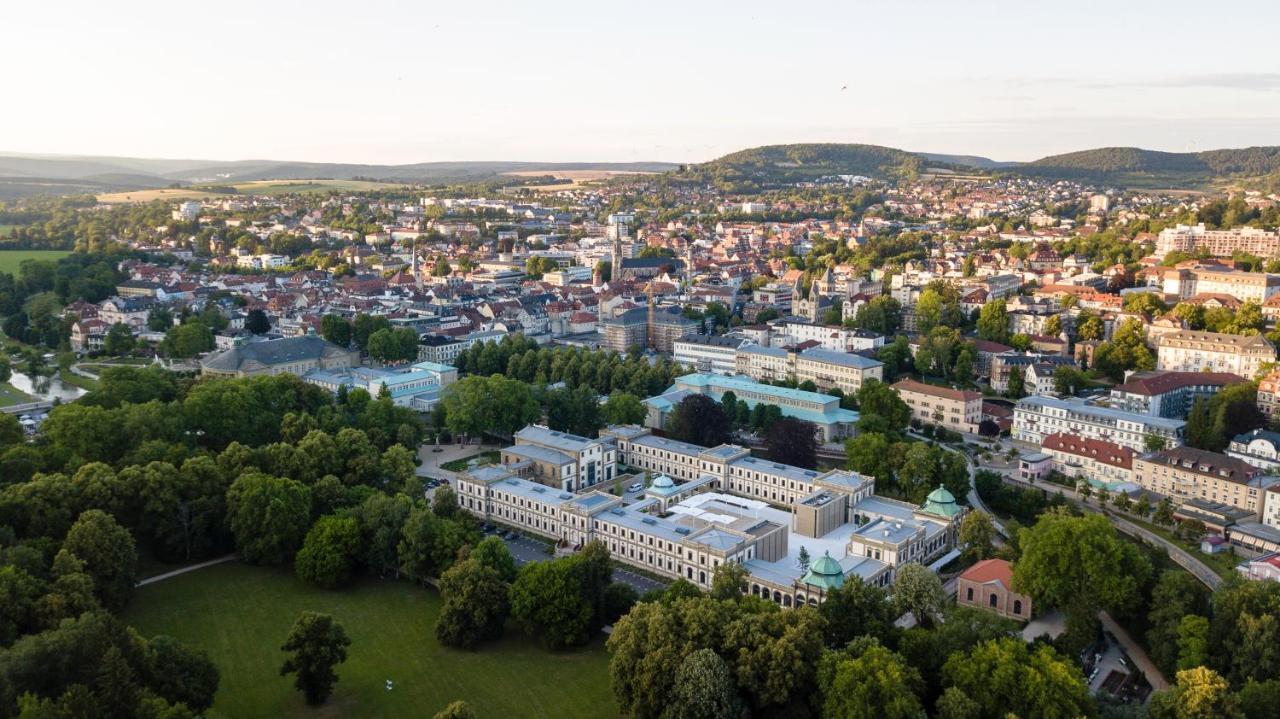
<point>1199,351</point>
<point>1035,418</point>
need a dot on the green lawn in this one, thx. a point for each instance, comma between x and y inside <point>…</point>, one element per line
<point>10,395</point>
<point>490,457</point>
<point>11,259</point>
<point>241,615</point>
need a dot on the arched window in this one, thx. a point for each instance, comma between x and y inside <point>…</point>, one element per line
<point>992,600</point>
<point>969,594</point>
<point>1017,606</point>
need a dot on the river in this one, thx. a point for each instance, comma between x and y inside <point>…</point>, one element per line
<point>54,388</point>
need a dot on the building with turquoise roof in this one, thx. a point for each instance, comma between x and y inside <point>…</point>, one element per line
<point>822,410</point>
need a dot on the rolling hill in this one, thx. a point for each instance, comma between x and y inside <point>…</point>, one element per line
<point>60,174</point>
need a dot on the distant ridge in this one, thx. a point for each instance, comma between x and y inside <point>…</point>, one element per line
<point>742,171</point>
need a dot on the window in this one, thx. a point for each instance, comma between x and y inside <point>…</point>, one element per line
<point>992,600</point>
<point>968,594</point>
<point>1017,606</point>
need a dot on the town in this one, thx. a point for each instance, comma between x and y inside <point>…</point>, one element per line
<point>834,383</point>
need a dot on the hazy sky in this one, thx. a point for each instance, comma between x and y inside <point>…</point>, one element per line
<point>387,82</point>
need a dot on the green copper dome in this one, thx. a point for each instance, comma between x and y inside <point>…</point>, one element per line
<point>825,573</point>
<point>941,502</point>
<point>663,482</point>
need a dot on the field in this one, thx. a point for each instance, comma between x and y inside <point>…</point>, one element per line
<point>574,179</point>
<point>259,187</point>
<point>457,465</point>
<point>6,229</point>
<point>241,615</point>
<point>10,259</point>
<point>10,395</point>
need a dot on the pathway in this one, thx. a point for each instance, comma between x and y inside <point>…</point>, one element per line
<point>1135,651</point>
<point>1182,557</point>
<point>184,570</point>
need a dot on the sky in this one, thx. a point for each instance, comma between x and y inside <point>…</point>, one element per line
<point>403,82</point>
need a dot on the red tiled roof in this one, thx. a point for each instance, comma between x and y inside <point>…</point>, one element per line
<point>1097,449</point>
<point>911,385</point>
<point>1169,381</point>
<point>990,570</point>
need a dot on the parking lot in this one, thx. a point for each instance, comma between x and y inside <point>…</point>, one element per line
<point>524,550</point>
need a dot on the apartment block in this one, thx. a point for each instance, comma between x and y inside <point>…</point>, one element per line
<point>1197,351</point>
<point>1187,473</point>
<point>1035,418</point>
<point>825,368</point>
<point>959,410</point>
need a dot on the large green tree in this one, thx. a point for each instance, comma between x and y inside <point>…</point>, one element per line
<point>269,517</point>
<point>109,556</point>
<point>1005,676</point>
<point>330,552</point>
<point>868,681</point>
<point>475,604</point>
<point>316,645</point>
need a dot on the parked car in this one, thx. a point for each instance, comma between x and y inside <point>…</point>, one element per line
<point>635,487</point>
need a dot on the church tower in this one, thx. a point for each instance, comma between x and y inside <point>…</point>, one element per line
<point>616,259</point>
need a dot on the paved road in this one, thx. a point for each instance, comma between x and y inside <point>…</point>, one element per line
<point>974,499</point>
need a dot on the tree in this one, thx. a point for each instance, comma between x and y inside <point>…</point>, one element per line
<point>159,319</point>
<point>792,441</point>
<point>876,399</point>
<point>1068,380</point>
<point>729,581</point>
<point>1005,677</point>
<point>1078,565</point>
<point>183,674</point>
<point>187,339</point>
<point>1200,693</point>
<point>699,420</point>
<point>1244,630</point>
<point>868,453</point>
<point>802,559</point>
<point>336,329</point>
<point>119,340</point>
<point>919,591</point>
<point>329,552</point>
<point>547,600</point>
<point>624,408</point>
<point>456,710</point>
<point>704,689</point>
<point>870,683</point>
<point>993,322</point>
<point>108,553</point>
<point>977,534</point>
<point>393,345</point>
<point>475,604</point>
<point>316,644</point>
<point>1017,388</point>
<point>478,405</point>
<point>269,517</point>
<point>1147,304</point>
<point>855,609</point>
<point>1090,327</point>
<point>1193,641</point>
<point>492,552</point>
<point>576,411</point>
<point>257,322</point>
<point>365,325</point>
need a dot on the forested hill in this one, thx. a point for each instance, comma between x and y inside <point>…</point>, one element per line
<point>1132,165</point>
<point>779,164</point>
<point>774,165</point>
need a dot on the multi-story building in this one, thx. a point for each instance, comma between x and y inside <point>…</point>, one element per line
<point>960,410</point>
<point>1196,351</point>
<point>418,386</point>
<point>1261,448</point>
<point>1187,473</point>
<point>711,354</point>
<point>833,516</point>
<point>1035,418</point>
<point>647,328</point>
<point>561,460</point>
<point>825,368</point>
<point>823,411</point>
<point>293,355</point>
<point>1103,464</point>
<point>1219,243</point>
<point>1187,282</point>
<point>1269,394</point>
<point>1165,393</point>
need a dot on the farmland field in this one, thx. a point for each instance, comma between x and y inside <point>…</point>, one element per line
<point>11,259</point>
<point>259,187</point>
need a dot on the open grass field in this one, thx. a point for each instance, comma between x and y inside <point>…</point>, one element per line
<point>573,179</point>
<point>10,259</point>
<point>258,187</point>
<point>457,465</point>
<point>6,229</point>
<point>241,615</point>
<point>10,395</point>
